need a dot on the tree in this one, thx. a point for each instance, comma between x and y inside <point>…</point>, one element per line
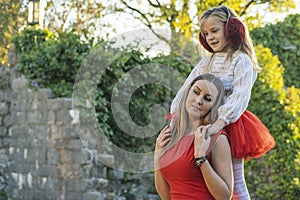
<point>80,16</point>
<point>12,15</point>
<point>275,175</point>
<point>51,60</point>
<point>182,16</point>
<point>283,40</point>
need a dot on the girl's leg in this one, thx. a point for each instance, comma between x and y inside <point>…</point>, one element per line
<point>240,191</point>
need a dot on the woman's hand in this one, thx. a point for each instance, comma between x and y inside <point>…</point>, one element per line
<point>201,142</point>
<point>163,138</point>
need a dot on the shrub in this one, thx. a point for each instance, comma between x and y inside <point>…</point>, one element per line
<point>141,100</point>
<point>275,175</point>
<point>49,60</point>
<point>283,40</point>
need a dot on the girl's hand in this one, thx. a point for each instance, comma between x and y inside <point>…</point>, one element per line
<point>201,142</point>
<point>215,127</point>
<point>163,138</point>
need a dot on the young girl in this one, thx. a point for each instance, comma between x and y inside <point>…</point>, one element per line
<point>233,60</point>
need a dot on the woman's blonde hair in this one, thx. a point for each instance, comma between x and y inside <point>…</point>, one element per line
<point>224,13</point>
<point>179,126</point>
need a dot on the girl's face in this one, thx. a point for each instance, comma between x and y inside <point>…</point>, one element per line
<point>200,99</point>
<point>213,30</point>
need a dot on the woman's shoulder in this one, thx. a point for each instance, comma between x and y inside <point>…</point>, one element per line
<point>223,137</point>
<point>221,140</point>
<point>221,133</point>
<point>219,136</point>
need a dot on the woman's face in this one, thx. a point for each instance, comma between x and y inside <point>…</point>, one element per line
<point>200,99</point>
<point>214,32</point>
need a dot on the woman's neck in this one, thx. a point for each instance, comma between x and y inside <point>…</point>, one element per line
<point>194,125</point>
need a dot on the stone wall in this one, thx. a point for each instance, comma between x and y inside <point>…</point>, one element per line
<point>42,157</point>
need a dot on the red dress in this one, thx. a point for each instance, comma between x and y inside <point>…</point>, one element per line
<point>184,178</point>
<point>249,137</point>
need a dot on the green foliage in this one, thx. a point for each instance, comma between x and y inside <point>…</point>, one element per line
<point>141,100</point>
<point>79,16</point>
<point>51,60</point>
<point>3,195</point>
<point>276,175</point>
<point>283,40</point>
<point>279,109</point>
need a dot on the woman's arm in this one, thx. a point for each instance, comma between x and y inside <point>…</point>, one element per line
<point>218,174</point>
<point>161,185</point>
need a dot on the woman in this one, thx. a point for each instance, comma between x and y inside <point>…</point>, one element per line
<point>188,165</point>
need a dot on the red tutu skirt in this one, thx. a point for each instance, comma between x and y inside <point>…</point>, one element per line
<point>249,137</point>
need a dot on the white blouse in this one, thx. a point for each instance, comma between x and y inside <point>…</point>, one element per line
<point>237,75</point>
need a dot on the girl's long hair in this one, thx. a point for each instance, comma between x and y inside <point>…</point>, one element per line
<point>224,13</point>
<point>179,125</point>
